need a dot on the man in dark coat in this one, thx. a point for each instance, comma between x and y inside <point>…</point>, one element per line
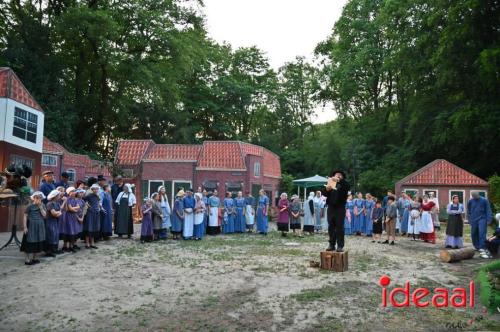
<point>116,189</point>
<point>336,197</point>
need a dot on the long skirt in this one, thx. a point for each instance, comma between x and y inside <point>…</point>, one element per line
<point>282,227</point>
<point>295,223</point>
<point>69,227</point>
<point>107,223</point>
<point>368,224</point>
<point>92,224</point>
<point>356,223</point>
<point>414,222</point>
<point>377,226</point>
<point>198,225</point>
<point>52,233</point>
<point>228,224</point>
<point>427,228</point>
<point>34,241</point>
<point>124,224</point>
<point>454,231</point>
<point>347,226</point>
<point>147,229</point>
<point>262,223</point>
<point>404,222</point>
<point>249,217</point>
<point>213,221</point>
<point>187,231</point>
<point>239,220</point>
<point>317,218</point>
<point>166,223</point>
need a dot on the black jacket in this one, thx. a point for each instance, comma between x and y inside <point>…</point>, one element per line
<point>337,198</point>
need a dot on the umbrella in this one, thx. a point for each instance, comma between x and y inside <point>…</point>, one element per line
<point>313,181</point>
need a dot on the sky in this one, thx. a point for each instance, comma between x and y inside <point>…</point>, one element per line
<point>283,29</point>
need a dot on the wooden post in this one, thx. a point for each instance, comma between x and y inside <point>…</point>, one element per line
<point>455,255</point>
<point>334,261</point>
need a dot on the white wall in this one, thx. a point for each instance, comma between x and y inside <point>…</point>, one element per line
<point>7,107</point>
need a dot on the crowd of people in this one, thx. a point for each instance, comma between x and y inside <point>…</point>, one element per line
<point>94,210</point>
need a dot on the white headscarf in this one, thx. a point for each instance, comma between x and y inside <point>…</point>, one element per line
<point>311,196</point>
<point>131,197</point>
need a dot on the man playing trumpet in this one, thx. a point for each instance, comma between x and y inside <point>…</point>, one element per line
<point>336,191</point>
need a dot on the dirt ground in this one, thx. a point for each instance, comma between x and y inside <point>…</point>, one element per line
<point>230,283</point>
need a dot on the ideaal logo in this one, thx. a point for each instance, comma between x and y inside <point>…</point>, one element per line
<point>423,297</point>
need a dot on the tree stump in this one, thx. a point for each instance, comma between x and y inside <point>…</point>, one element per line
<point>455,255</point>
<point>334,261</point>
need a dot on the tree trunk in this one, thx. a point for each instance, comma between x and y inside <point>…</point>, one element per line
<point>455,255</point>
<point>334,261</point>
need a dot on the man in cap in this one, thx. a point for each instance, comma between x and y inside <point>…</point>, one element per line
<point>64,181</point>
<point>336,192</point>
<point>116,189</point>
<point>47,184</point>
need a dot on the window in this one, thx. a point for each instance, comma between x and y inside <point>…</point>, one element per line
<point>25,125</point>
<point>481,193</point>
<point>49,160</point>
<point>411,192</point>
<point>20,161</point>
<point>153,186</point>
<point>256,169</point>
<point>459,193</point>
<point>430,192</point>
<point>71,175</point>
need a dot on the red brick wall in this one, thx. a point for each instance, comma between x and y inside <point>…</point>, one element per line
<point>167,171</point>
<point>56,169</point>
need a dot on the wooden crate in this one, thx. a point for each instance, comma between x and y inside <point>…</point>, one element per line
<point>334,261</point>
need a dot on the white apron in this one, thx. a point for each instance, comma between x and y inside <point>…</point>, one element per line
<point>188,224</point>
<point>213,217</point>
<point>249,215</point>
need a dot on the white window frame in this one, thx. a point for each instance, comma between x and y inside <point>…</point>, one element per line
<point>431,189</point>
<point>412,189</point>
<point>51,156</point>
<point>71,171</point>
<point>27,121</point>
<point>149,185</point>
<point>479,190</point>
<point>463,191</point>
<point>174,186</point>
<point>256,166</point>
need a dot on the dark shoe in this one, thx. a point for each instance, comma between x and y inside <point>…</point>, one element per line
<point>119,236</point>
<point>129,236</point>
<point>386,242</point>
<point>93,247</point>
<point>76,247</point>
<point>392,243</point>
<point>28,263</point>
<point>340,250</point>
<point>50,255</point>
<point>379,242</point>
<point>373,241</point>
<point>456,247</point>
<point>36,261</point>
<point>330,248</point>
<point>87,247</point>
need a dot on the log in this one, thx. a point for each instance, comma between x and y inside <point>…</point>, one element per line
<point>334,261</point>
<point>455,255</point>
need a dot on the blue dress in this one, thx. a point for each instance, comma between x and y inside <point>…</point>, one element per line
<point>349,205</point>
<point>166,224</point>
<point>176,220</point>
<point>369,205</point>
<point>52,226</point>
<point>262,222</point>
<point>239,220</point>
<point>228,216</point>
<point>147,224</point>
<point>107,215</point>
<point>92,221</point>
<point>406,216</point>
<point>205,219</point>
<point>357,221</point>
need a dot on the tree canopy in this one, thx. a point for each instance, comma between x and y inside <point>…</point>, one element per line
<point>409,82</point>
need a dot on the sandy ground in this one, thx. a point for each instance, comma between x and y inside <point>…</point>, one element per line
<point>229,283</point>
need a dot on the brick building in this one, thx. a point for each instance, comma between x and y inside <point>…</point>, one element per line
<point>222,165</point>
<point>445,180</point>
<point>78,166</point>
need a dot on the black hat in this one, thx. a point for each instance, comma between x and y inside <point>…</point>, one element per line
<point>101,178</point>
<point>65,175</point>
<point>91,180</point>
<point>338,171</point>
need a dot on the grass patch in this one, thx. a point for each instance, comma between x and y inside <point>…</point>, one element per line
<point>314,294</point>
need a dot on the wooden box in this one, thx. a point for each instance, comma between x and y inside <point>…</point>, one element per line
<point>334,261</point>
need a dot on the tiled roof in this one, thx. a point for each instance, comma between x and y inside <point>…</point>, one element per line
<point>251,149</point>
<point>442,172</point>
<point>79,160</point>
<point>51,147</point>
<point>173,152</point>
<point>131,152</point>
<point>12,87</point>
<point>221,155</point>
<point>271,167</point>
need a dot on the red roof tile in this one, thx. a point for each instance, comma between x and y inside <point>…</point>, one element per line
<point>12,87</point>
<point>251,149</point>
<point>131,152</point>
<point>271,167</point>
<point>442,172</point>
<point>171,152</point>
<point>51,147</point>
<point>221,155</point>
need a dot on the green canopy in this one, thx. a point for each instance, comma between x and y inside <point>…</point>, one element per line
<point>313,181</point>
